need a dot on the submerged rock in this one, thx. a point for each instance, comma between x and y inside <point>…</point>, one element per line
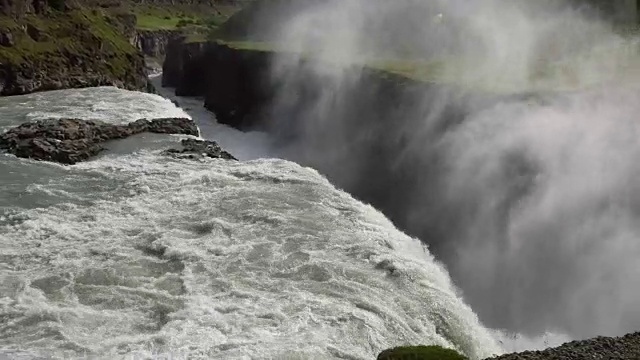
<point>69,141</point>
<point>195,149</point>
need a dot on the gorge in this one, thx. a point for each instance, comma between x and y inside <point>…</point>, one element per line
<point>500,134</point>
<point>409,146</point>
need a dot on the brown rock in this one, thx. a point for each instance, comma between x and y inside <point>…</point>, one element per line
<point>195,149</point>
<point>69,141</point>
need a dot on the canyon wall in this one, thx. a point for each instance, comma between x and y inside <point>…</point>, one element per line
<point>56,44</point>
<point>153,43</point>
<point>357,131</point>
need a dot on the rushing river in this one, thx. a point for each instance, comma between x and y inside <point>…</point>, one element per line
<point>135,255</point>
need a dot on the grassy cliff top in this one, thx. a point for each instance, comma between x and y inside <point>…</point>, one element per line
<point>176,17</point>
<point>566,75</point>
<point>254,27</point>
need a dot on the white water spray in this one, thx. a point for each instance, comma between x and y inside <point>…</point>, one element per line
<point>531,202</point>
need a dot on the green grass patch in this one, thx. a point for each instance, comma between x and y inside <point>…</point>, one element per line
<point>195,37</point>
<point>179,16</point>
<point>420,353</point>
<point>416,69</point>
<point>422,70</point>
<point>251,45</point>
<point>7,23</point>
<point>154,22</point>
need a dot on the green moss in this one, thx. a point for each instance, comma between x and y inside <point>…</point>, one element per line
<point>71,37</point>
<point>420,353</point>
<point>154,22</point>
<point>7,23</point>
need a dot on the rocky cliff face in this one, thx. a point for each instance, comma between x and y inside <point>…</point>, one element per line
<point>355,128</point>
<point>17,8</point>
<point>56,45</point>
<point>184,67</point>
<point>241,90</point>
<point>153,43</point>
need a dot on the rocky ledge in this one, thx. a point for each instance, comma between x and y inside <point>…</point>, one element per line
<point>69,141</point>
<point>196,149</point>
<point>626,347</point>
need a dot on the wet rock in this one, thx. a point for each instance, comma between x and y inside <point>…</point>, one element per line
<point>69,141</point>
<point>626,347</point>
<point>196,149</point>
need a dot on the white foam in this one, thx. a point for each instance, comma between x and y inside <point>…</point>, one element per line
<point>107,104</point>
<point>259,259</point>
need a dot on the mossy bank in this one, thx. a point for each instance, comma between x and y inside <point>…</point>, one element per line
<point>63,45</point>
<point>58,44</point>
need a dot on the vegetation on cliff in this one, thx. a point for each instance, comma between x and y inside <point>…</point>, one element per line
<point>430,42</point>
<point>194,22</point>
<point>63,34</point>
<point>72,47</point>
<point>56,44</point>
<point>173,17</point>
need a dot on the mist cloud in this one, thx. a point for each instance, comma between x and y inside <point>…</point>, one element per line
<point>518,168</point>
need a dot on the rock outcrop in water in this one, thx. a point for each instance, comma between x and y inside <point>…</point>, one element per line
<point>195,149</point>
<point>69,141</point>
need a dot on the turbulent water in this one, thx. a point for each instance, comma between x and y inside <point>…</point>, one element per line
<point>517,163</point>
<point>136,255</point>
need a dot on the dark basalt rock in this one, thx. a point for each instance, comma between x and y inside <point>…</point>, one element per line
<point>153,43</point>
<point>195,149</point>
<point>626,347</point>
<point>185,67</point>
<point>69,141</point>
